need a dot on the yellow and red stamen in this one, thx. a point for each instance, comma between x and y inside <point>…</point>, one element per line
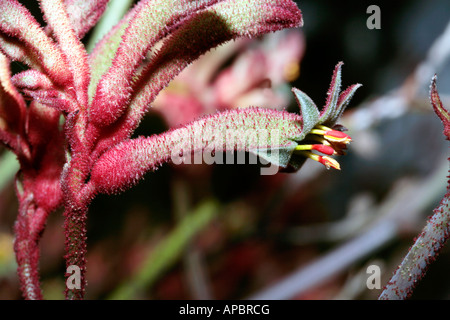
<point>328,150</point>
<point>330,142</point>
<point>331,135</point>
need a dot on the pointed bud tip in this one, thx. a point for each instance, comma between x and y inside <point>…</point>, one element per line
<point>337,136</point>
<point>329,162</point>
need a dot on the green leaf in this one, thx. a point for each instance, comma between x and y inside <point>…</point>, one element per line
<point>310,114</point>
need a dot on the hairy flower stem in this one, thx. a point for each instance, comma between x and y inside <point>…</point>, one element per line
<point>434,235</point>
<point>28,228</point>
<point>77,198</point>
<point>75,244</point>
<point>421,254</point>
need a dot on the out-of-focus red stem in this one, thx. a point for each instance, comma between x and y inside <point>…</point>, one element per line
<point>28,228</point>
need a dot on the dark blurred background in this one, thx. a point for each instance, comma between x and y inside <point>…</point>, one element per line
<point>380,59</point>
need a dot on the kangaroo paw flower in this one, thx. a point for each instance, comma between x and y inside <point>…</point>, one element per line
<point>329,142</point>
<point>332,135</point>
<point>317,131</point>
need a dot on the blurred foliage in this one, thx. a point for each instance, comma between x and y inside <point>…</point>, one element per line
<point>252,243</point>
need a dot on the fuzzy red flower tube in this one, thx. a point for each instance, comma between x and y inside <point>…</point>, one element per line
<point>70,116</point>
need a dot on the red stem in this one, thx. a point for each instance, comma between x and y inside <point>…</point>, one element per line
<point>75,244</point>
<point>77,197</point>
<point>28,229</point>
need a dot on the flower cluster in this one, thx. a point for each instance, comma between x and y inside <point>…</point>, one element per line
<point>69,117</point>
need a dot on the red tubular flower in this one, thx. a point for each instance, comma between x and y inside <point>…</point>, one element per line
<point>319,134</point>
<point>85,107</point>
<point>101,98</point>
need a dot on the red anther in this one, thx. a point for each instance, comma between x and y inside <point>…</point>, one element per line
<point>323,149</point>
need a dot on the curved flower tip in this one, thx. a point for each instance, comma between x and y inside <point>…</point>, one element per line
<point>317,132</point>
<point>439,109</point>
